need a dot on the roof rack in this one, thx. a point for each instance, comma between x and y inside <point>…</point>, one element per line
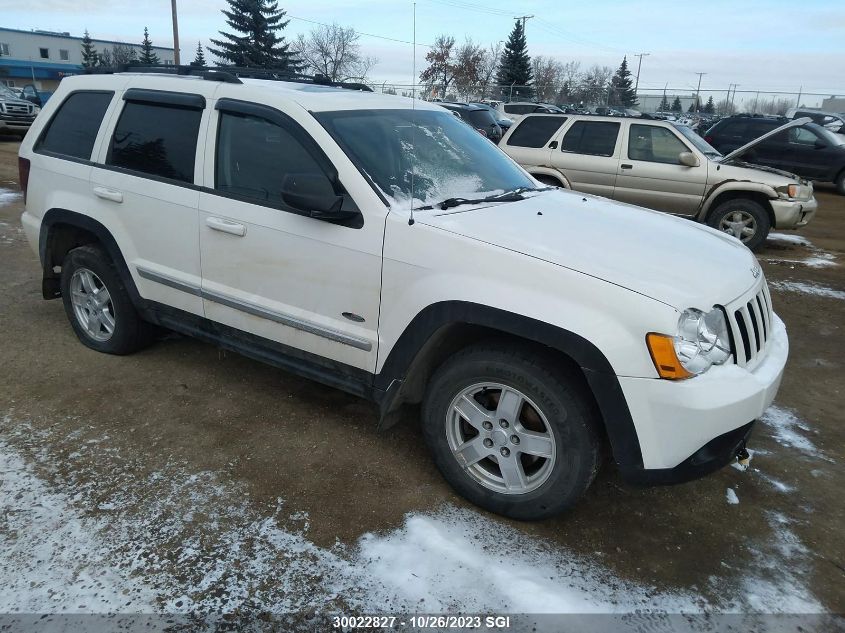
<point>228,74</point>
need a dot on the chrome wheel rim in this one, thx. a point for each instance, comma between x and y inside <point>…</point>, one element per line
<point>92,304</point>
<point>500,438</point>
<point>740,224</point>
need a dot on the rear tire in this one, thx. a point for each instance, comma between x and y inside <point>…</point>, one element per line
<point>840,183</point>
<point>98,306</point>
<point>743,218</point>
<point>532,446</point>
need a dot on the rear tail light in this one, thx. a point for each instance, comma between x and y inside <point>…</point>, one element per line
<point>23,175</point>
<point>482,132</point>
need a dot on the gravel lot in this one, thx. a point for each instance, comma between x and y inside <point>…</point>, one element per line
<point>185,478</point>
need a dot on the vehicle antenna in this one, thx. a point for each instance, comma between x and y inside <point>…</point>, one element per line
<point>413,110</point>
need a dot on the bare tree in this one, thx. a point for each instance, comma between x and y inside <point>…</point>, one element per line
<point>119,54</point>
<point>488,67</point>
<point>593,84</point>
<point>468,68</point>
<point>334,51</point>
<point>440,72</point>
<point>548,77</point>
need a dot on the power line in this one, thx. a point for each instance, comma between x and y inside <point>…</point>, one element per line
<point>381,37</point>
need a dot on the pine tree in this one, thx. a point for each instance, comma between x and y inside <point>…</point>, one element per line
<point>693,106</point>
<point>515,67</point>
<point>622,92</point>
<point>710,107</point>
<point>90,58</point>
<point>148,55</point>
<point>258,22</point>
<point>199,59</point>
<point>664,104</point>
<point>676,105</point>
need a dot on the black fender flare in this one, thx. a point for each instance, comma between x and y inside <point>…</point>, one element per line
<point>597,369</point>
<point>71,218</point>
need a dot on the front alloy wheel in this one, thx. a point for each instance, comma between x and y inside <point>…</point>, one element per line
<point>740,224</point>
<point>500,437</point>
<point>744,219</point>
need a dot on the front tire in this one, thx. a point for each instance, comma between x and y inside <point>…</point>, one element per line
<point>98,306</point>
<point>510,433</point>
<point>745,219</point>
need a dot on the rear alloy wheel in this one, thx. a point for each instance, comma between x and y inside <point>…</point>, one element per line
<point>742,218</point>
<point>92,304</point>
<point>511,432</point>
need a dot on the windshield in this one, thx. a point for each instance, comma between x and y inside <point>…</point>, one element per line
<point>700,144</point>
<point>443,157</point>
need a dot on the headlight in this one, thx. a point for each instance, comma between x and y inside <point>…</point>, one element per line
<point>36,110</point>
<point>702,340</point>
<point>795,191</point>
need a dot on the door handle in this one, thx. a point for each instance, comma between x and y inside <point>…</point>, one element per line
<point>626,166</point>
<point>108,194</point>
<point>225,226</point>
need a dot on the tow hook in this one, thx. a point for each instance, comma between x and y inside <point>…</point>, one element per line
<point>742,456</point>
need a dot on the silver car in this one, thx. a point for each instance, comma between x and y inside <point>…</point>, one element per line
<point>663,166</point>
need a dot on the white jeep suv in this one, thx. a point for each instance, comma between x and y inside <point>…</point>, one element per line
<point>387,249</point>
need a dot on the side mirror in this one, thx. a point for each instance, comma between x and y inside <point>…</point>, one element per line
<point>314,195</point>
<point>688,159</point>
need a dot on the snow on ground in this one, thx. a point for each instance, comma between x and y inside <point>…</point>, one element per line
<point>7,196</point>
<point>808,288</point>
<point>731,497</point>
<point>789,238</point>
<point>786,429</point>
<point>115,538</point>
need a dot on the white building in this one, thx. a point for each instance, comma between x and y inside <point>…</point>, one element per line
<point>44,57</point>
<point>651,102</point>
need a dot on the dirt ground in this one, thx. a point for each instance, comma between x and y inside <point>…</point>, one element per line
<point>184,403</point>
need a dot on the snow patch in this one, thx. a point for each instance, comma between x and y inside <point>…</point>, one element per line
<point>7,196</point>
<point>808,288</point>
<point>785,427</point>
<point>789,238</point>
<point>731,497</point>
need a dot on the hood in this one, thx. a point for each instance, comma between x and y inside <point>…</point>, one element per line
<point>741,150</point>
<point>672,260</point>
<point>758,168</point>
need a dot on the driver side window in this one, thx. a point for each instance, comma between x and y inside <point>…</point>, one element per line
<point>255,157</point>
<point>802,136</point>
<point>654,144</point>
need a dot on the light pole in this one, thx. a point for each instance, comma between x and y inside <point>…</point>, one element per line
<point>698,92</point>
<point>175,33</point>
<point>639,65</point>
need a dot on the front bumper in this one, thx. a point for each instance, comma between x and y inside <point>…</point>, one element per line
<point>689,428</point>
<point>791,214</point>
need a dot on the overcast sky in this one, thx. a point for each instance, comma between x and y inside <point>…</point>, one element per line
<point>760,45</point>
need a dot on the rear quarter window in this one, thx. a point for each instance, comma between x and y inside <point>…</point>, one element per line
<point>73,129</point>
<point>535,131</point>
<point>596,138</point>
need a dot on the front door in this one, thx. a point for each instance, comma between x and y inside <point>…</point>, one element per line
<point>267,269</point>
<point>650,175</point>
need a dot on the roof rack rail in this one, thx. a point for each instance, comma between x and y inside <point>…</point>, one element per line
<point>228,74</point>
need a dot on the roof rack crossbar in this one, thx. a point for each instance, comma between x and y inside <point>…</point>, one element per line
<point>229,74</point>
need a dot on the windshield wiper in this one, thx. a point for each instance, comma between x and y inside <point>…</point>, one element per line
<point>515,195</point>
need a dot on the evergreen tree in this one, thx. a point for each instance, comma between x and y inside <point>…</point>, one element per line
<point>692,107</point>
<point>515,66</point>
<point>622,92</point>
<point>676,105</point>
<point>257,42</point>
<point>90,58</point>
<point>710,107</point>
<point>199,59</point>
<point>664,104</point>
<point>148,55</point>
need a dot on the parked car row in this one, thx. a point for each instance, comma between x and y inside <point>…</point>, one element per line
<point>663,166</point>
<point>16,113</point>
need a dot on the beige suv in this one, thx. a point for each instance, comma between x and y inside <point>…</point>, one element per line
<point>662,166</point>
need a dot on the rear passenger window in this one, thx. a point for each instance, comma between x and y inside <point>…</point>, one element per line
<point>255,156</point>
<point>597,138</point>
<point>156,139</point>
<point>535,131</point>
<point>73,129</point>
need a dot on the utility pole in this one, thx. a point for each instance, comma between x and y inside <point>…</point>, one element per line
<point>639,65</point>
<point>175,32</point>
<point>733,97</point>
<point>523,18</point>
<point>798,102</point>
<point>698,92</point>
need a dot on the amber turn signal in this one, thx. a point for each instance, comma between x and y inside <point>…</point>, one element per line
<point>662,350</point>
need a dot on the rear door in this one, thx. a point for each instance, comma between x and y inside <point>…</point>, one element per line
<point>650,174</point>
<point>589,156</point>
<point>144,182</point>
<point>810,155</point>
<point>531,144</point>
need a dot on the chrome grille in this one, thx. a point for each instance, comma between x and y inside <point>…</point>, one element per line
<point>14,108</point>
<point>750,320</point>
